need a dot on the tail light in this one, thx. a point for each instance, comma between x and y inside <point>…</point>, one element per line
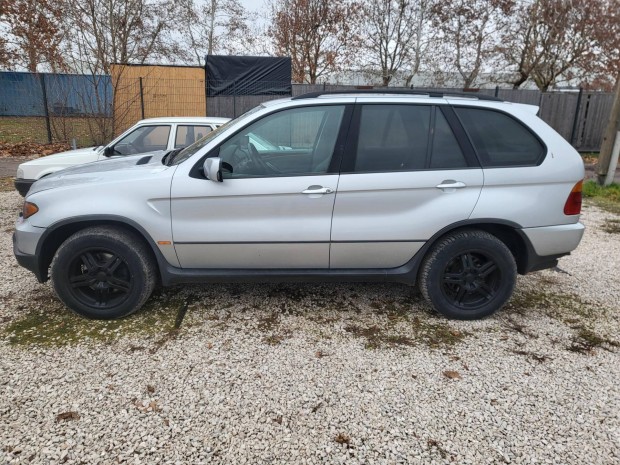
<point>573,202</point>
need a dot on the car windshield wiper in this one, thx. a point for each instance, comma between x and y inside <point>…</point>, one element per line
<point>169,157</point>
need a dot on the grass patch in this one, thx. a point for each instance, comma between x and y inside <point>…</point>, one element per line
<point>585,341</point>
<point>430,334</point>
<point>560,306</point>
<point>85,130</point>
<point>54,325</point>
<point>606,197</point>
<point>612,226</point>
<point>6,185</point>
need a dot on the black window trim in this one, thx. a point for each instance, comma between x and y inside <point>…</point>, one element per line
<point>348,162</point>
<point>334,165</point>
<point>541,158</point>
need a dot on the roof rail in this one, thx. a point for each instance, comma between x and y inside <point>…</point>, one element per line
<point>430,93</point>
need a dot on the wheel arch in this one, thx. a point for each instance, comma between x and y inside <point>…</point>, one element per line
<point>57,233</point>
<point>507,231</point>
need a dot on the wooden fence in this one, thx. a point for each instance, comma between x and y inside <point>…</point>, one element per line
<point>580,117</point>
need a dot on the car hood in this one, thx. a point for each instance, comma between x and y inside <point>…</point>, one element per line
<point>62,156</point>
<point>117,169</point>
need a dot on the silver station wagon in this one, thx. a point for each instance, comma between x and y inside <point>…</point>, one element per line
<point>453,193</point>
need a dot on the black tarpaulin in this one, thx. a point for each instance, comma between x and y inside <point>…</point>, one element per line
<point>241,75</point>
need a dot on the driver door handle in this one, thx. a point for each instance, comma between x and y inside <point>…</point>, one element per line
<point>451,184</point>
<point>318,190</point>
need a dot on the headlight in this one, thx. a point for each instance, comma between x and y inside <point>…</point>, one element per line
<point>29,210</point>
<point>20,173</point>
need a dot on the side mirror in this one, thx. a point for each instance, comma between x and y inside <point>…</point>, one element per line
<point>213,169</point>
<point>108,151</point>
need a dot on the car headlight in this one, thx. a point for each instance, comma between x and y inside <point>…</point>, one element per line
<point>20,173</point>
<point>29,209</point>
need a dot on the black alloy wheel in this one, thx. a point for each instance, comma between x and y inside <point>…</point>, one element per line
<point>468,274</point>
<point>104,272</point>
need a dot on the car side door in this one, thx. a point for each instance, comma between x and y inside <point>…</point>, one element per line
<point>407,173</point>
<point>273,208</point>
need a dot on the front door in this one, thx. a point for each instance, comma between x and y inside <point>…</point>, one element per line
<point>274,206</point>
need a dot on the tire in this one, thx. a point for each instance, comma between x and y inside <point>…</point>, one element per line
<point>103,272</point>
<point>468,275</point>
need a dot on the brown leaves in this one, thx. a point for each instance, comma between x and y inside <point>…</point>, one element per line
<point>29,149</point>
<point>67,416</point>
<point>451,374</point>
<point>342,438</point>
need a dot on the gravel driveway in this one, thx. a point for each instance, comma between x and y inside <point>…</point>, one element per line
<point>307,373</point>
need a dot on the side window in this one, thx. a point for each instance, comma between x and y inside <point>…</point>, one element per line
<point>294,142</point>
<point>143,139</point>
<point>188,134</point>
<point>499,139</point>
<point>446,152</point>
<point>392,138</point>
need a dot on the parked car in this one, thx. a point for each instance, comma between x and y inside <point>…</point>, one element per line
<point>147,135</point>
<point>457,194</point>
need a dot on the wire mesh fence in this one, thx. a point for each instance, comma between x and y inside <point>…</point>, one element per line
<point>55,108</point>
<point>87,110</point>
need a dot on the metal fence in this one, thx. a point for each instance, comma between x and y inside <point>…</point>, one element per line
<point>55,107</point>
<point>91,109</point>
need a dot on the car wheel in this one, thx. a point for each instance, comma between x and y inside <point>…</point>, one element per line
<point>103,272</point>
<point>468,275</point>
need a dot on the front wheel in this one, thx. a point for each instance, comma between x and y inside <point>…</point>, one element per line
<point>468,275</point>
<point>103,272</point>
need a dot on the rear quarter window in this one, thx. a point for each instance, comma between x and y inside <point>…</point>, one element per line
<point>499,139</point>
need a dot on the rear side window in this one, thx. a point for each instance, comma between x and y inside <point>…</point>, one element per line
<point>393,138</point>
<point>187,135</point>
<point>499,139</point>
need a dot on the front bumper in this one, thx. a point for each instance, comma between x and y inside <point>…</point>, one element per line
<point>28,261</point>
<point>23,185</point>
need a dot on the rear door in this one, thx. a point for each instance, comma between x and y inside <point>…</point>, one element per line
<point>405,176</point>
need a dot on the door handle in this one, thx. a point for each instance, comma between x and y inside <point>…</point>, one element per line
<point>451,184</point>
<point>318,190</point>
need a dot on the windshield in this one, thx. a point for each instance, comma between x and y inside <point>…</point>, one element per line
<point>187,152</point>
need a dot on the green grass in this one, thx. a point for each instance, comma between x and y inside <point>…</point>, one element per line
<point>51,324</point>
<point>606,197</point>
<point>84,130</point>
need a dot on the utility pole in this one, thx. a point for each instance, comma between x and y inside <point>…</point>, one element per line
<point>608,158</point>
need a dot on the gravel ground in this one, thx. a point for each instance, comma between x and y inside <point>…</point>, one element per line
<point>333,373</point>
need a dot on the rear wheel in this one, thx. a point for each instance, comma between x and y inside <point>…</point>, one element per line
<point>103,272</point>
<point>468,275</point>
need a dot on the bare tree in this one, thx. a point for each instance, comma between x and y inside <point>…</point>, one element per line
<point>551,41</point>
<point>120,31</point>
<point>470,31</point>
<point>214,26</point>
<point>315,34</point>
<point>35,33</point>
<point>395,35</point>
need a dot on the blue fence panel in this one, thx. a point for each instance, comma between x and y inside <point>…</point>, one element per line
<point>21,94</point>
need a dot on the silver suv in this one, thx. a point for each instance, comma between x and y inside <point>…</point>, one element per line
<point>456,194</point>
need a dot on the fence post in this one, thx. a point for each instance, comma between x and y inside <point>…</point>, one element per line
<point>496,91</point>
<point>234,99</point>
<point>141,97</point>
<point>576,118</point>
<point>46,110</point>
